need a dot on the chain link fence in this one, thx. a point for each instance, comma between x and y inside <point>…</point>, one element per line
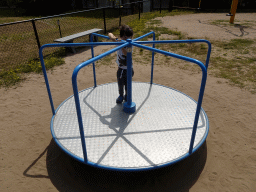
<point>17,44</point>
<point>20,41</point>
<point>49,29</point>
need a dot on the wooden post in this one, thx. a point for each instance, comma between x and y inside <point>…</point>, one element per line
<point>233,10</point>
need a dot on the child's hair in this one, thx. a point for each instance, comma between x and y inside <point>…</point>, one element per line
<point>125,30</point>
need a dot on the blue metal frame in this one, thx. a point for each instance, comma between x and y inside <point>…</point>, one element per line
<point>203,67</point>
<point>131,169</point>
<point>153,58</point>
<point>129,104</point>
<point>92,51</point>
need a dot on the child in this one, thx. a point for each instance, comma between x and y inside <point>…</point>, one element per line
<point>125,33</point>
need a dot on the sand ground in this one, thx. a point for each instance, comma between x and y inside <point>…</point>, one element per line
<point>31,161</point>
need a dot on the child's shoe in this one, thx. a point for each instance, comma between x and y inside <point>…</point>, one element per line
<point>120,99</point>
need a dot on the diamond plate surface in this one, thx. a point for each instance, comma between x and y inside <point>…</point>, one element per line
<point>158,132</point>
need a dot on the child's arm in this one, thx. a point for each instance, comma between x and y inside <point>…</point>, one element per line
<point>112,37</point>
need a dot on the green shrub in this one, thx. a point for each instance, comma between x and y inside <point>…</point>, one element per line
<point>9,78</point>
<point>12,76</point>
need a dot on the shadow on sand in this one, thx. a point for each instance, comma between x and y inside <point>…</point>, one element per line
<point>68,174</point>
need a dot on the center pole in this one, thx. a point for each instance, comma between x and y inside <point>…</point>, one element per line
<point>129,106</point>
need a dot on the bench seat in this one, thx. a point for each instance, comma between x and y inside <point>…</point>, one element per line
<point>70,38</point>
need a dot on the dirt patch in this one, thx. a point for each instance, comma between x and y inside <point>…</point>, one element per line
<point>213,26</point>
<point>29,163</point>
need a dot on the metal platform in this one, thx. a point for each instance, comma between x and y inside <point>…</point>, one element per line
<point>157,134</point>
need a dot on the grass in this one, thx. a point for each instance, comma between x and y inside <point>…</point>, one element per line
<point>13,76</point>
<point>12,15</point>
<point>106,61</point>
<point>234,63</point>
<point>227,23</point>
<point>233,60</point>
<point>240,71</point>
<point>146,24</point>
<point>19,52</point>
<point>219,22</point>
<point>237,44</point>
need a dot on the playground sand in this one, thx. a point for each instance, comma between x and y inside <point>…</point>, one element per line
<point>213,26</point>
<point>31,161</point>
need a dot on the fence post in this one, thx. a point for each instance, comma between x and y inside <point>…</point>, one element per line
<point>152,5</point>
<point>36,34</point>
<point>105,30</point>
<point>139,11</point>
<point>58,22</point>
<point>160,6</point>
<point>132,7</point>
<point>170,5</point>
<point>119,12</point>
<point>93,64</point>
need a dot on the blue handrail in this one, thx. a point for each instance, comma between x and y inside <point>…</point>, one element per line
<point>64,45</point>
<point>203,82</point>
<point>128,43</point>
<point>152,60</point>
<point>75,90</point>
<point>92,52</point>
<point>99,35</point>
<point>183,41</point>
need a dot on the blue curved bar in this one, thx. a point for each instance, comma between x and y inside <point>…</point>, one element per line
<point>93,64</point>
<point>99,35</point>
<point>64,45</point>
<point>137,44</point>
<point>143,36</point>
<point>203,82</point>
<point>75,90</point>
<point>79,44</point>
<point>152,60</point>
<point>129,106</point>
<point>120,45</point>
<point>183,41</point>
<point>46,78</point>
